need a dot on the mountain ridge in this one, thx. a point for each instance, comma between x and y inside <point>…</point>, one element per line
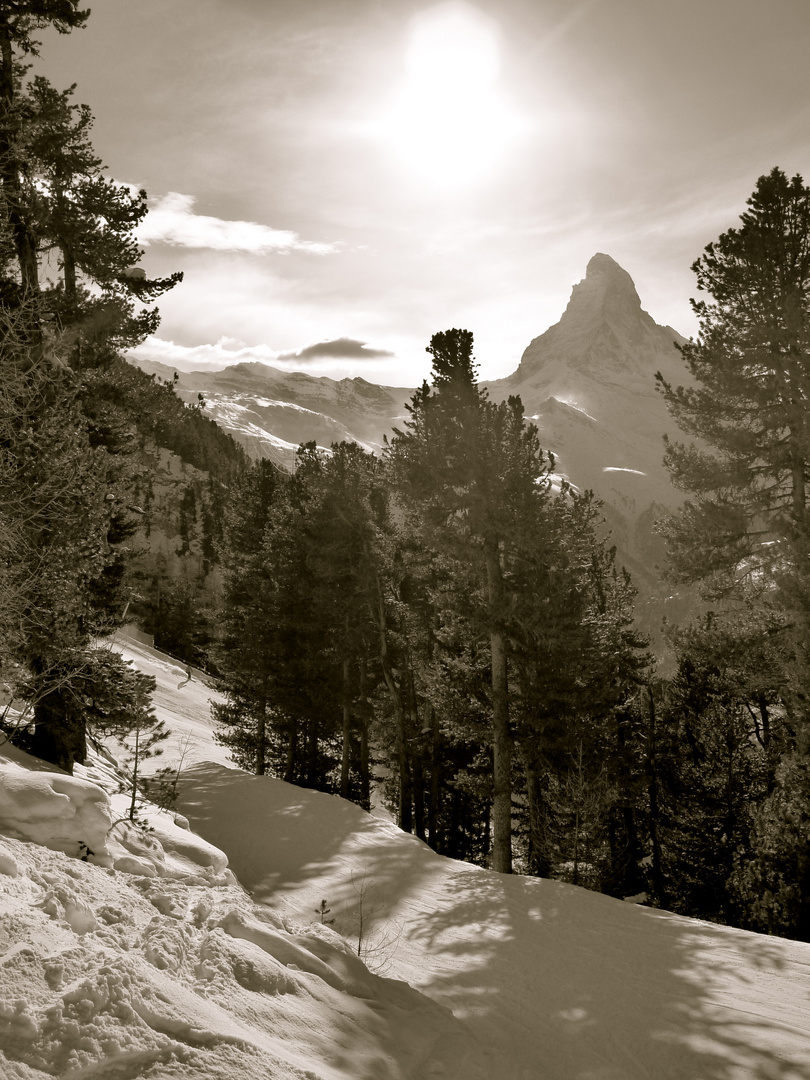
<point>587,382</point>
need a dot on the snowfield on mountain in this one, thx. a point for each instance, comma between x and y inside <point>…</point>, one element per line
<point>230,949</point>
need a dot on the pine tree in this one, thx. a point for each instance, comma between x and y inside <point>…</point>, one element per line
<point>66,435</point>
<point>746,525</point>
<point>62,509</point>
<point>718,742</point>
<point>18,21</point>
<point>246,654</point>
<point>480,480</point>
<point>748,406</point>
<point>345,495</point>
<point>297,655</point>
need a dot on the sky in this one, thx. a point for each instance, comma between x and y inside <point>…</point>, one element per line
<point>340,179</point>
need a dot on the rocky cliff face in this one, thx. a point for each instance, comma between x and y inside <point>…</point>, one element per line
<point>588,383</point>
<point>604,337</point>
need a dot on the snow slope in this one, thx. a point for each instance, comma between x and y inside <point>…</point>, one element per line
<point>183,703</point>
<point>158,964</point>
<point>553,981</point>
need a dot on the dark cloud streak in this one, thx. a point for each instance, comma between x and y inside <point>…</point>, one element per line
<point>339,348</point>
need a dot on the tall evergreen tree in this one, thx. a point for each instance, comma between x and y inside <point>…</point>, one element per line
<point>64,510</point>
<point>277,659</point>
<point>745,528</point>
<point>748,404</point>
<point>481,481</point>
<point>65,435</point>
<point>346,500</point>
<point>19,20</point>
<point>247,654</point>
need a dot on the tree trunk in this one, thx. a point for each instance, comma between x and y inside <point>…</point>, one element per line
<point>25,247</point>
<point>452,847</point>
<point>417,773</point>
<point>135,763</point>
<point>501,735</point>
<point>59,732</point>
<point>652,791</point>
<point>538,862</point>
<point>419,796</point>
<point>261,740</point>
<point>312,753</point>
<point>434,796</point>
<point>765,719</point>
<point>69,273</point>
<point>365,767</point>
<point>405,784</point>
<point>345,761</point>
<point>626,851</point>
<point>395,694</point>
<point>289,765</point>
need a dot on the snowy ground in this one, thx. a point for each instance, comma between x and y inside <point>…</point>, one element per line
<point>183,704</point>
<point>152,961</point>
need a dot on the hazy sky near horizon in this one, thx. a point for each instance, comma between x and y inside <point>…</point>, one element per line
<point>339,179</point>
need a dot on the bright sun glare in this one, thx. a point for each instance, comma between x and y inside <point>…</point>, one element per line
<point>449,122</point>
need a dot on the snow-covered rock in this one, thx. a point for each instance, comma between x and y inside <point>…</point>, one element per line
<point>8,864</point>
<point>61,812</point>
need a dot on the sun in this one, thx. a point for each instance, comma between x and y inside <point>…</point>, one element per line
<point>449,123</point>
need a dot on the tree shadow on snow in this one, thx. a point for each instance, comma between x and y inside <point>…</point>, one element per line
<point>553,982</point>
<point>576,986</point>
<point>279,838</point>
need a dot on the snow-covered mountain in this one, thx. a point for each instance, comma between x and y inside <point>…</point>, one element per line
<point>152,960</point>
<point>588,382</point>
<point>272,412</point>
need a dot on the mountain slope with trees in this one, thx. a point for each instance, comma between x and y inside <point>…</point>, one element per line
<point>74,417</point>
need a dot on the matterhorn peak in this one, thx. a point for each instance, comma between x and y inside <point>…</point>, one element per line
<point>606,289</point>
<point>604,337</point>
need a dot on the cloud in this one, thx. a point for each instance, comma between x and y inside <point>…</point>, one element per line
<point>338,359</point>
<point>343,348</point>
<point>171,220</point>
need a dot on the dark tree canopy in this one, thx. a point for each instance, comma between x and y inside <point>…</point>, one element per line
<point>748,402</point>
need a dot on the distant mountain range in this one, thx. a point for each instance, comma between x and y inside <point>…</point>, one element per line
<point>272,412</point>
<point>587,382</point>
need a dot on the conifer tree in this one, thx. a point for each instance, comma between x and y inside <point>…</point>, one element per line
<point>748,404</point>
<point>65,433</point>
<point>339,530</point>
<point>62,509</point>
<point>717,760</point>
<point>247,655</point>
<point>19,20</point>
<point>480,479</point>
<point>745,528</point>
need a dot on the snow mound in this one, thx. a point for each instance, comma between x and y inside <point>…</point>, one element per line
<point>161,966</point>
<point>63,813</point>
<point>157,846</point>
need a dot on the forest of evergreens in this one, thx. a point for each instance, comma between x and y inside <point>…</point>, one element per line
<point>441,627</point>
